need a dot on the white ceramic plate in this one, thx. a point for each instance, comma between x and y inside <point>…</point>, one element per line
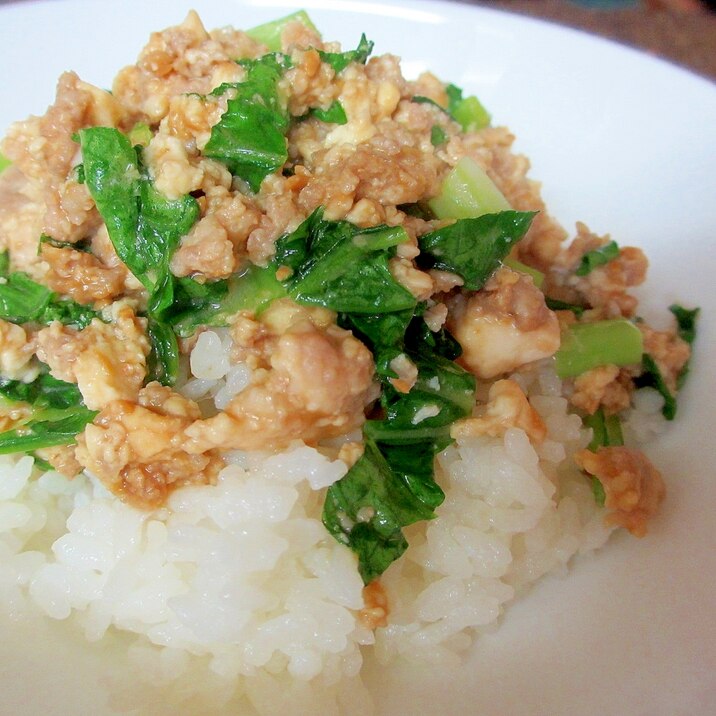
<point>619,139</point>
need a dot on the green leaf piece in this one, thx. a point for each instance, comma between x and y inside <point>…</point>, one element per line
<point>57,414</point>
<point>250,136</point>
<point>597,257</point>
<point>340,60</point>
<point>474,248</point>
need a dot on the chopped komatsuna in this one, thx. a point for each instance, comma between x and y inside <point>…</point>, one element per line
<point>474,248</point>
<point>340,60</point>
<point>597,257</point>
<point>467,111</point>
<point>556,305</point>
<point>334,114</point>
<point>654,372</point>
<point>606,432</point>
<point>467,192</point>
<point>4,163</point>
<point>589,345</point>
<point>343,267</point>
<point>292,320</point>
<point>143,225</point>
<point>250,136</point>
<point>269,33</point>
<point>23,300</point>
<point>140,134</point>
<point>52,413</point>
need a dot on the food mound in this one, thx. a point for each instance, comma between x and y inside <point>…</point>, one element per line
<point>294,361</point>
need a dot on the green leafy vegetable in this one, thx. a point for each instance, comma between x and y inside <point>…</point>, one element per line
<point>686,328</point>
<point>42,393</point>
<point>606,432</point>
<point>420,99</point>
<point>685,322</point>
<point>145,227</point>
<point>46,433</point>
<point>392,485</point>
<point>4,264</point>
<point>342,267</point>
<point>600,497</point>
<point>340,60</point>
<point>4,163</point>
<point>212,304</point>
<point>467,111</point>
<point>438,135</point>
<point>588,345</point>
<point>250,136</point>
<point>41,464</point>
<point>473,248</point>
<point>606,429</point>
<point>269,33</point>
<point>598,257</point>
<point>366,510</point>
<point>23,300</point>
<point>57,414</point>
<point>335,114</point>
<point>140,134</point>
<point>82,246</point>
<point>163,361</point>
<point>652,376</point>
<point>556,305</point>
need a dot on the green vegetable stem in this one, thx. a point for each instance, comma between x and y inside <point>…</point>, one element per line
<point>467,192</point>
<point>589,345</point>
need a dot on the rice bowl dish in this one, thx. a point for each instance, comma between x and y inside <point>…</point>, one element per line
<point>296,611</point>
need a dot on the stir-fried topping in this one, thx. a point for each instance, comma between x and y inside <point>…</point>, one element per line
<point>369,248</point>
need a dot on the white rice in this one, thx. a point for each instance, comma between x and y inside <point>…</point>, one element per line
<point>241,583</point>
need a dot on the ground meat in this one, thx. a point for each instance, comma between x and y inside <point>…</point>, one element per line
<point>43,148</point>
<point>606,287</point>
<point>418,282</point>
<point>278,200</point>
<point>298,35</point>
<point>382,170</point>
<point>173,172</point>
<point>62,458</point>
<point>406,371</point>
<point>508,407</point>
<point>316,384</point>
<point>308,83</point>
<point>17,349</point>
<point>81,275</point>
<point>503,326</point>
<point>375,612</point>
<point>190,118</point>
<point>633,486</point>
<point>377,155</point>
<point>21,218</point>
<point>136,448</point>
<point>106,360</point>
<point>607,386</point>
<point>181,60</point>
<point>13,414</point>
<point>205,250</point>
